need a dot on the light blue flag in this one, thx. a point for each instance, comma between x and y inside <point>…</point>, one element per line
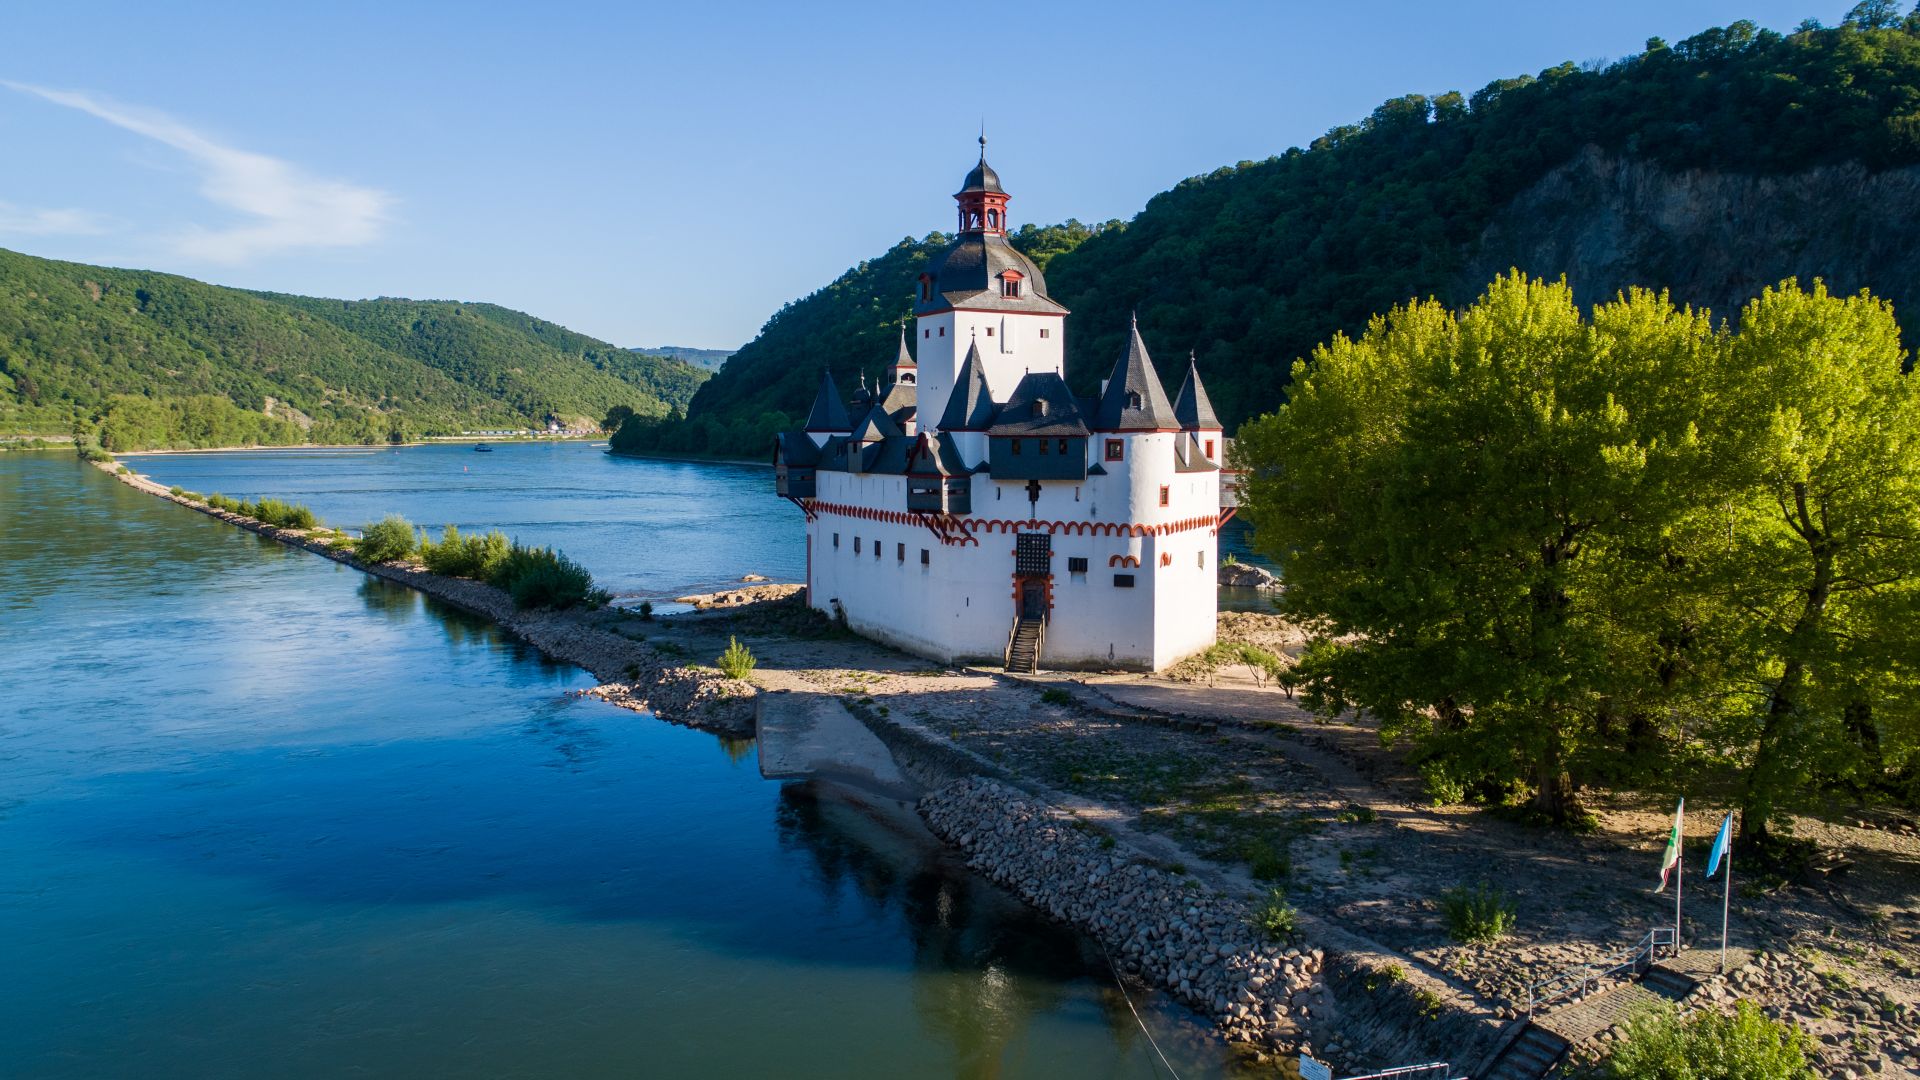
<point>1720,845</point>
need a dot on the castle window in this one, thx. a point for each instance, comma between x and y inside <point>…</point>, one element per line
<point>1163,494</point>
<point>1209,447</point>
<point>925,558</point>
<point>1045,333</point>
<point>1043,446</point>
<point>926,333</point>
<point>902,555</point>
<point>1010,288</point>
<point>856,545</point>
<point>943,331</point>
<point>1201,557</point>
<point>1133,399</point>
<point>836,541</point>
<point>1123,581</point>
<point>1063,446</point>
<point>876,549</point>
<point>989,331</point>
<point>1116,450</point>
<point>1076,566</point>
<point>1016,447</point>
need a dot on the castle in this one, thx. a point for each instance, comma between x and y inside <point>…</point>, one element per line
<point>975,509</point>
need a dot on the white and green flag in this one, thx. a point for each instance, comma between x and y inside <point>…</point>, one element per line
<point>1672,858</point>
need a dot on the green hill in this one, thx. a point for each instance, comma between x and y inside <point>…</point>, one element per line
<point>153,359</point>
<point>1711,167</point>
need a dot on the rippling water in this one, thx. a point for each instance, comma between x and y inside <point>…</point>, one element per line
<point>261,815</point>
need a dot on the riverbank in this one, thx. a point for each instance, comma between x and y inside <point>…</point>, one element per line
<point>1226,789</point>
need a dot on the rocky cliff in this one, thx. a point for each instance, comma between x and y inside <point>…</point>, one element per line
<point>1715,239</point>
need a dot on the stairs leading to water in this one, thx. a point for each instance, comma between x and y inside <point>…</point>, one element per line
<point>1024,654</point>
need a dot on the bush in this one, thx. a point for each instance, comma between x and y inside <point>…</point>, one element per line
<point>474,557</point>
<point>542,577</point>
<point>1269,860</point>
<point>1710,1046</point>
<point>176,491</point>
<point>90,452</point>
<point>1480,913</point>
<point>737,661</point>
<point>646,611</point>
<point>1053,695</point>
<point>1274,919</point>
<point>283,514</point>
<point>388,539</point>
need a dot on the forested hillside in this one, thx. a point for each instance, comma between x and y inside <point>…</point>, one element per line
<point>1735,134</point>
<point>148,359</point>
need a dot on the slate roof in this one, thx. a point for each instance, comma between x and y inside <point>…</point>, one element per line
<point>969,405</point>
<point>902,403</point>
<point>874,426</point>
<point>1191,407</point>
<point>1058,413</point>
<point>1187,457</point>
<point>887,456</point>
<point>1134,377</point>
<point>936,455</point>
<point>905,359</point>
<point>829,410</point>
<point>982,178</point>
<point>795,449</point>
<point>969,276</point>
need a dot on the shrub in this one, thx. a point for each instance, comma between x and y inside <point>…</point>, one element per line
<point>542,577</point>
<point>221,502</point>
<point>91,452</point>
<point>474,557</point>
<point>123,470</point>
<point>1710,1046</point>
<point>646,611</point>
<point>388,539</point>
<point>283,514</point>
<point>738,660</point>
<point>1053,695</point>
<point>1268,860</point>
<point>1274,919</point>
<point>176,491</point>
<point>1480,913</point>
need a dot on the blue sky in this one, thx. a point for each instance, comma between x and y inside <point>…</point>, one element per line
<point>673,174</point>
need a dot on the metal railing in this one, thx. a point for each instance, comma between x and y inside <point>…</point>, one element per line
<point>1584,977</point>
<point>1437,1070</point>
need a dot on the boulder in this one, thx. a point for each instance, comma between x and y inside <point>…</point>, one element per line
<point>1241,575</point>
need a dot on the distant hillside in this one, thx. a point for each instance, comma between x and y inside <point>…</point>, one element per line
<point>151,359</point>
<point>711,359</point>
<point>1710,167</point>
<point>851,326</point>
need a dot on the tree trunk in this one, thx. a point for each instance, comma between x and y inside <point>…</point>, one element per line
<point>1775,759</point>
<point>1553,788</point>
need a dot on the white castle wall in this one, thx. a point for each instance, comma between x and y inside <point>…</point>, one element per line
<point>960,606</point>
<point>1013,349</point>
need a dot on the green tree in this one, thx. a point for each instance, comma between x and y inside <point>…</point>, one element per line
<point>1472,512</point>
<point>615,417</point>
<point>1825,573</point>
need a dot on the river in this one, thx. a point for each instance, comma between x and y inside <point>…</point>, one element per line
<point>263,815</point>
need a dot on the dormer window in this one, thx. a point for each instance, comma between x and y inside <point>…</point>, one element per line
<point>1010,284</point>
<point>906,377</point>
<point>926,287</point>
<point>1133,399</point>
<point>1040,407</point>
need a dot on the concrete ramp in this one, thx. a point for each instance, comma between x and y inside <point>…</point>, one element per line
<point>805,736</point>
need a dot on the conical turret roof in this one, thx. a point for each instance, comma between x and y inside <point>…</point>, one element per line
<point>1134,399</point>
<point>829,410</point>
<point>905,359</point>
<point>1191,407</point>
<point>969,405</point>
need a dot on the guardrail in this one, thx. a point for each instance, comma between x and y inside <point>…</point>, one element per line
<point>1437,1070</point>
<point>1584,977</point>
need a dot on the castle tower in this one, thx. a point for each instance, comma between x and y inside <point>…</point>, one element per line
<point>905,371</point>
<point>984,292</point>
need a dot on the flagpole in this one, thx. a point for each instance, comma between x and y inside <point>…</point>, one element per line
<point>1679,876</point>
<point>1726,901</point>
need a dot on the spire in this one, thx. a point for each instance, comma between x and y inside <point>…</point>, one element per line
<point>829,413</point>
<point>969,405</point>
<point>1191,407</point>
<point>905,358</point>
<point>1134,399</point>
<point>983,202</point>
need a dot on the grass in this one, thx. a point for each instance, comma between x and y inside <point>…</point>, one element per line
<point>1478,913</point>
<point>1274,918</point>
<point>737,662</point>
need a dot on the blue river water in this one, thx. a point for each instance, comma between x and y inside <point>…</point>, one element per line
<point>261,815</point>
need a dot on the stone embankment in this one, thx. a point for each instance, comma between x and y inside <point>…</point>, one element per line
<point>1161,927</point>
<point>634,675</point>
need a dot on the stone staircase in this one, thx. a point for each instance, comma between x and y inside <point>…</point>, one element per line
<point>1023,654</point>
<point>1528,1056</point>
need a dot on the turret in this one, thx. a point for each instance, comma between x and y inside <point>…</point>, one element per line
<point>829,415</point>
<point>905,371</point>
<point>1133,399</point>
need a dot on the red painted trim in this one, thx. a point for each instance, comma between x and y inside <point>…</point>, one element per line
<point>1124,560</point>
<point>1227,514</point>
<point>1009,525</point>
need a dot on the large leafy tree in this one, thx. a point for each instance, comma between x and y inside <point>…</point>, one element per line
<point>1473,512</point>
<point>1823,581</point>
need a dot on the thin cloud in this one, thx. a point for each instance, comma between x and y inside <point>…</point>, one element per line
<point>289,209</point>
<point>27,221</point>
